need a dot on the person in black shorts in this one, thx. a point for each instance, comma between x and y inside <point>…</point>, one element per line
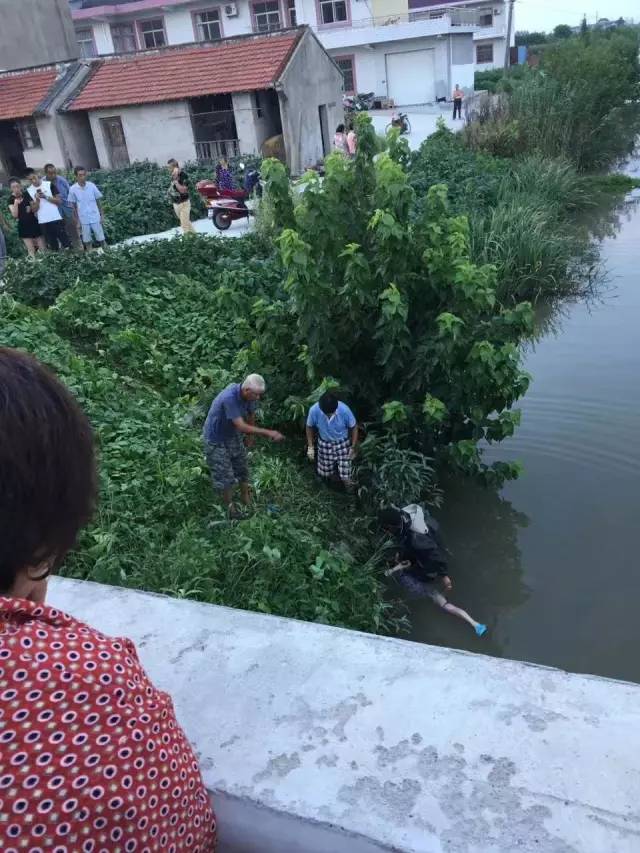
<point>420,562</point>
<point>28,229</point>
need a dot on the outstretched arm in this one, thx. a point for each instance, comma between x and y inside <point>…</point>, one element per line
<point>250,429</point>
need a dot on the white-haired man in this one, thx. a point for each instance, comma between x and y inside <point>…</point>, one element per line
<point>232,415</point>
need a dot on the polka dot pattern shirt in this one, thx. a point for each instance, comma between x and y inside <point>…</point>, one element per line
<point>92,759</point>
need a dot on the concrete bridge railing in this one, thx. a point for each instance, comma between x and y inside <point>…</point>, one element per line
<point>320,740</point>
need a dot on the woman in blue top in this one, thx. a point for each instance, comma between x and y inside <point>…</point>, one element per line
<point>332,423</point>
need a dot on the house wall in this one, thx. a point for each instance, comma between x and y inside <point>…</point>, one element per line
<point>245,122</point>
<point>178,23</point>
<point>310,80</point>
<point>499,47</point>
<point>77,140</point>
<point>371,69</point>
<point>153,132</point>
<point>51,151</point>
<point>35,32</point>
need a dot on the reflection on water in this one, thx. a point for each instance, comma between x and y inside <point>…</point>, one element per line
<point>551,562</point>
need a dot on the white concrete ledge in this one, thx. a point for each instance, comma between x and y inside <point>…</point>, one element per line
<point>318,740</point>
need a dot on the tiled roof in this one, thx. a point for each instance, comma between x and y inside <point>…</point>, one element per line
<point>20,94</point>
<point>240,65</point>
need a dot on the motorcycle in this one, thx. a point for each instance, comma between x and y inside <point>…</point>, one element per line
<point>400,121</point>
<point>358,103</point>
<point>226,206</point>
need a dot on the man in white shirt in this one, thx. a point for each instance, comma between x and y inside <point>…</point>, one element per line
<point>85,197</point>
<point>46,206</point>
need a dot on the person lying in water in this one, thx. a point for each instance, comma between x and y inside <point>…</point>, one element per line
<point>421,565</point>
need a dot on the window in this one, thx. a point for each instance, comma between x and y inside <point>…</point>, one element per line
<point>333,11</point>
<point>266,16</point>
<point>291,13</point>
<point>29,135</point>
<point>124,37</point>
<point>208,25</point>
<point>85,41</point>
<point>258,107</point>
<point>152,33</point>
<point>484,53</point>
<point>345,64</point>
<point>486,19</point>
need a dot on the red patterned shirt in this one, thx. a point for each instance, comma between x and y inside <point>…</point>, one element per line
<point>92,759</point>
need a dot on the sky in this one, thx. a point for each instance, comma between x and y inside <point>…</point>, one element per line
<point>546,14</point>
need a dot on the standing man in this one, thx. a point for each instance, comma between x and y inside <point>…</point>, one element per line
<point>458,95</point>
<point>46,203</point>
<point>85,198</point>
<point>334,425</point>
<point>421,564</point>
<point>232,415</point>
<point>179,195</point>
<point>66,209</point>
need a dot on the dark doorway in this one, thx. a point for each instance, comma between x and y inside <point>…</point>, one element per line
<point>115,141</point>
<point>324,129</point>
<point>11,154</point>
<point>214,128</point>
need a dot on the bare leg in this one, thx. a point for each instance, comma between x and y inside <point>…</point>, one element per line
<point>227,496</point>
<point>462,614</point>
<point>30,246</point>
<point>245,493</point>
<point>41,244</point>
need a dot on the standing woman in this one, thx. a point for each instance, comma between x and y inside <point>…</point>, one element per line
<point>340,140</point>
<point>28,228</point>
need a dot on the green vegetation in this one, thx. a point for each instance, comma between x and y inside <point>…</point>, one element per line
<point>392,308</point>
<point>522,214</point>
<point>582,105</point>
<point>145,350</point>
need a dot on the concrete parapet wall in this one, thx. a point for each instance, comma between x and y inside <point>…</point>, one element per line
<point>319,740</point>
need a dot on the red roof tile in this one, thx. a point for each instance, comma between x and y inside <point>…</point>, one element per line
<point>243,65</point>
<point>20,94</point>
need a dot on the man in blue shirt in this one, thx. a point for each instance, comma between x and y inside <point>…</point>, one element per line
<point>232,415</point>
<point>331,426</point>
<point>66,210</point>
<point>84,196</point>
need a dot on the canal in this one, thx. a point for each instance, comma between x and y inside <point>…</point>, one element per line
<point>551,562</point>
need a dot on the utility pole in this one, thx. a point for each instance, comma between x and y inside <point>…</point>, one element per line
<point>507,51</point>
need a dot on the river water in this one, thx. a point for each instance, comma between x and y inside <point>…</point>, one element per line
<point>551,562</point>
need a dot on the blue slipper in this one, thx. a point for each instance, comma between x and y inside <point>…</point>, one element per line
<point>481,629</point>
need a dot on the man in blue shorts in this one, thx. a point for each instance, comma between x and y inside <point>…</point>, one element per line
<point>85,197</point>
<point>232,416</point>
<point>332,427</point>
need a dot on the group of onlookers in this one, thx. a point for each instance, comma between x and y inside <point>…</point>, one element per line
<point>345,141</point>
<point>54,215</point>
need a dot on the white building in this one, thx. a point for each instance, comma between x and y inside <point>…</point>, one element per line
<point>412,51</point>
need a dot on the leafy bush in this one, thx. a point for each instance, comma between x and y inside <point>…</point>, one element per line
<point>582,105</point>
<point>393,308</point>
<point>145,350</point>
<point>522,214</point>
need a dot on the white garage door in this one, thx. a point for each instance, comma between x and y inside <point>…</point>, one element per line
<point>410,77</point>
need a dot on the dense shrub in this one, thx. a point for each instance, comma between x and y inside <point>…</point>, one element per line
<point>582,105</point>
<point>145,336</point>
<point>394,309</point>
<point>523,214</point>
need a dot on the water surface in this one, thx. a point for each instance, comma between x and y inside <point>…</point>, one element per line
<point>551,562</point>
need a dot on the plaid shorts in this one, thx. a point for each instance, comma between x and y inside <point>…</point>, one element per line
<point>227,462</point>
<point>332,453</point>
